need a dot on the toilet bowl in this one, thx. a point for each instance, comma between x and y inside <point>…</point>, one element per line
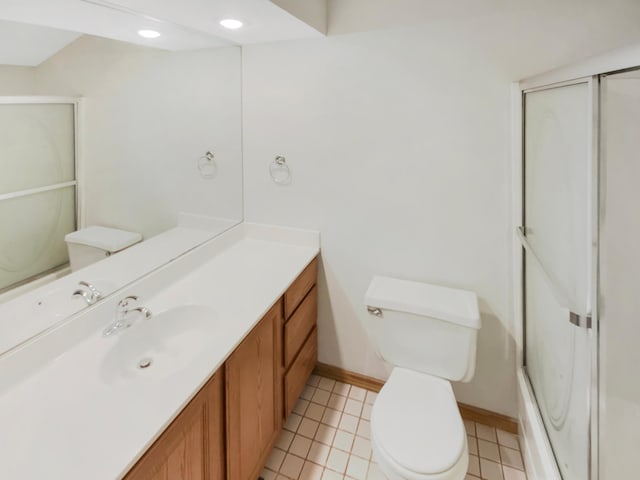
<point>416,430</point>
<point>429,334</point>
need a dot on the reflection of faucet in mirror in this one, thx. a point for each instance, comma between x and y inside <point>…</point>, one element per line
<point>90,294</point>
<point>124,318</point>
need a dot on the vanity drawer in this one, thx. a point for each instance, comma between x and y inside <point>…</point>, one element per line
<point>296,377</point>
<point>298,290</point>
<point>299,325</point>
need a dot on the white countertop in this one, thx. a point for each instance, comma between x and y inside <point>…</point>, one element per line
<point>43,307</point>
<point>63,417</point>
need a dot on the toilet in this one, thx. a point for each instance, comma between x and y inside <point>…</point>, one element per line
<point>88,245</point>
<point>429,334</point>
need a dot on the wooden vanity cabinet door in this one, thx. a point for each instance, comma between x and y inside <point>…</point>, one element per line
<point>192,447</point>
<point>254,398</point>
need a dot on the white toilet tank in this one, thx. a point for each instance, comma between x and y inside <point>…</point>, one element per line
<point>423,327</point>
<point>88,245</point>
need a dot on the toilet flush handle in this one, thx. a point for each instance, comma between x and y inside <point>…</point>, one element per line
<point>374,311</point>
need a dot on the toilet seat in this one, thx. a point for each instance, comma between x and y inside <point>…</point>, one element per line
<point>416,429</point>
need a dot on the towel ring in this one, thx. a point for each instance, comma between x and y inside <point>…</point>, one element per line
<point>207,165</point>
<point>279,170</point>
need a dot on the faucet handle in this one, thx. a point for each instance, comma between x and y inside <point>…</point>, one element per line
<point>80,293</point>
<point>124,303</point>
<point>123,315</point>
<point>89,295</point>
<point>143,310</point>
<point>95,294</point>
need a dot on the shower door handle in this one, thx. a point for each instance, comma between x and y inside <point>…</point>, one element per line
<point>559,293</point>
<point>580,320</point>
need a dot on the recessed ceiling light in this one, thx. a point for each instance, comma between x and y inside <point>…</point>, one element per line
<point>148,33</point>
<point>231,23</point>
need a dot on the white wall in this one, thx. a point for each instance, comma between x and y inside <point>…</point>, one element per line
<point>29,45</point>
<point>149,115</point>
<point>312,12</point>
<point>398,142</point>
<point>537,36</point>
<point>400,161</point>
<point>16,80</point>
<point>545,33</point>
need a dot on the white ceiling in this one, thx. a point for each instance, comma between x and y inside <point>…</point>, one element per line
<point>184,24</point>
<point>194,24</point>
<point>263,20</point>
<point>29,45</point>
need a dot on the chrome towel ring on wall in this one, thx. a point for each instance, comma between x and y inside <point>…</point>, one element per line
<point>279,170</point>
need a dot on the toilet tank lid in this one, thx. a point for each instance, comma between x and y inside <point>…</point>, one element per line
<point>448,304</point>
<point>109,239</point>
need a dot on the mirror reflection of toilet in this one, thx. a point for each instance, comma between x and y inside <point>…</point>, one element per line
<point>91,244</point>
<point>429,334</point>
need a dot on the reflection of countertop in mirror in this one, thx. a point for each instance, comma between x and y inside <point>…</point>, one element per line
<point>28,315</point>
<point>67,409</point>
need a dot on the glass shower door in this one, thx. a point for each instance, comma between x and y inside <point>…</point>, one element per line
<point>558,244</point>
<point>37,186</point>
<point>619,268</point>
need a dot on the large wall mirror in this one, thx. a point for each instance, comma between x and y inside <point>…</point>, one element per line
<point>101,132</point>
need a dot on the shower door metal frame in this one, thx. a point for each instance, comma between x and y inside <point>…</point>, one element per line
<point>78,112</point>
<point>518,219</point>
<point>78,182</point>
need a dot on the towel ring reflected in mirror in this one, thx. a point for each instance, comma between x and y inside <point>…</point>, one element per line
<point>207,165</point>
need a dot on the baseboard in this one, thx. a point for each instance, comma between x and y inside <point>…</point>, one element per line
<point>342,375</point>
<point>487,417</point>
<point>468,412</point>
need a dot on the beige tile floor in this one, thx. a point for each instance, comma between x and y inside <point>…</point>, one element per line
<point>327,438</point>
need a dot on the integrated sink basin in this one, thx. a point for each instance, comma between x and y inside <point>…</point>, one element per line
<point>161,345</point>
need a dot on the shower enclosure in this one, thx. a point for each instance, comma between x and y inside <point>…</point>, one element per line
<point>38,185</point>
<point>578,233</point>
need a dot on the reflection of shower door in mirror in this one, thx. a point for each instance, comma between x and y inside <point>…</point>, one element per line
<point>558,240</point>
<point>37,186</point>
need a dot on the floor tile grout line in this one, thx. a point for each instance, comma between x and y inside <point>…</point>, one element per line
<point>500,455</point>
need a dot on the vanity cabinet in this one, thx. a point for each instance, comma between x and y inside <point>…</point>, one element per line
<point>229,429</point>
<point>192,447</point>
<point>253,398</point>
<point>266,374</point>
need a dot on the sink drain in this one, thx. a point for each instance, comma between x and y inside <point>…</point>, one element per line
<point>145,362</point>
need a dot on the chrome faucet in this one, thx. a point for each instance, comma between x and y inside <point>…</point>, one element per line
<point>123,315</point>
<point>90,294</point>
